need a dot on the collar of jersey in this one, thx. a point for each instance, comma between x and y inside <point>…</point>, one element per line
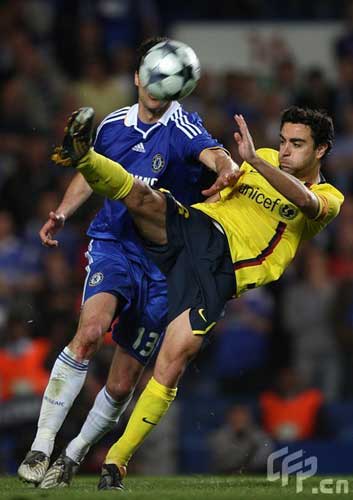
<point>131,117</point>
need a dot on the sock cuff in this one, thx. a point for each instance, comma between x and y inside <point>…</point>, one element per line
<point>161,390</point>
<point>68,357</point>
<point>113,402</point>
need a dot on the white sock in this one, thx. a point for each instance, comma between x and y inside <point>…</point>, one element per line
<point>103,416</point>
<point>66,380</point>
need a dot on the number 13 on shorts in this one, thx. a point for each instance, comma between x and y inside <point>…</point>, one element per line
<point>147,342</point>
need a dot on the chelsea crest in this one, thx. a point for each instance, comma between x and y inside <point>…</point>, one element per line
<point>157,162</point>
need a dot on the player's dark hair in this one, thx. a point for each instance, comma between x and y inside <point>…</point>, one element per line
<point>319,121</point>
<point>146,46</point>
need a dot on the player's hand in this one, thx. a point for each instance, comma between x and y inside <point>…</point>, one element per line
<point>228,176</point>
<point>244,140</point>
<point>50,228</point>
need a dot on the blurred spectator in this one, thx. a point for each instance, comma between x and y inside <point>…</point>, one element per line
<point>23,378</point>
<point>239,445</point>
<point>242,95</point>
<point>340,161</point>
<point>122,69</point>
<point>90,46</point>
<point>343,320</point>
<point>43,83</point>
<point>344,91</point>
<point>307,315</point>
<point>206,100</point>
<point>208,92</point>
<point>266,50</point>
<point>20,268</point>
<point>344,43</point>
<point>15,118</point>
<point>242,343</point>
<point>69,237</point>
<point>272,105</point>
<point>30,176</point>
<point>101,91</point>
<point>59,293</point>
<point>286,78</point>
<point>316,92</point>
<point>343,50</point>
<point>125,22</point>
<point>341,260</point>
<point>22,360</point>
<point>290,411</point>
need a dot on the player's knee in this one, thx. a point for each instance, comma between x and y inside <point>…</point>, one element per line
<point>120,390</point>
<point>144,200</point>
<point>136,199</point>
<point>172,363</point>
<point>90,333</point>
<point>87,340</point>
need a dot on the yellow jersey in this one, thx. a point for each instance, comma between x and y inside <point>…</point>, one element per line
<point>263,228</point>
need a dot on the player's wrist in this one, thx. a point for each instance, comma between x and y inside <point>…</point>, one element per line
<point>227,165</point>
<point>255,161</point>
<point>60,216</point>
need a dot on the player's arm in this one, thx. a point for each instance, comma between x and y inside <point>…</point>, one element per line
<point>76,194</point>
<point>288,185</point>
<point>218,160</point>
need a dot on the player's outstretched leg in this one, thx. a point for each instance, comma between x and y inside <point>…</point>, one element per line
<point>105,176</point>
<point>110,179</point>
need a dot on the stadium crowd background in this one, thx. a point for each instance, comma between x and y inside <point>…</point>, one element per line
<point>279,367</point>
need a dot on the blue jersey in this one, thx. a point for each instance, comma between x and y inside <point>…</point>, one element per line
<point>163,155</point>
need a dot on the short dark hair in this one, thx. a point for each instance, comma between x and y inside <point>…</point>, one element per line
<point>146,46</point>
<point>319,121</point>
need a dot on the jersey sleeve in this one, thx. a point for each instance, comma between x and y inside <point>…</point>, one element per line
<point>330,201</point>
<point>190,136</point>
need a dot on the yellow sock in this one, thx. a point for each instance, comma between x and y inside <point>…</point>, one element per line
<point>150,408</point>
<point>105,176</point>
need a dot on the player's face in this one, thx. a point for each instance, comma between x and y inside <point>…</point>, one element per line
<point>297,153</point>
<point>149,103</point>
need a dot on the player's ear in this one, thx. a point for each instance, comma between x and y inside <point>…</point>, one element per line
<point>321,150</point>
<point>137,79</point>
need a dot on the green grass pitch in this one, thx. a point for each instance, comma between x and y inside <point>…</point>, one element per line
<point>178,487</point>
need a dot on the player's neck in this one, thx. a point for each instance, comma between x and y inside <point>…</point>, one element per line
<point>311,177</point>
<point>151,116</point>
<point>310,174</point>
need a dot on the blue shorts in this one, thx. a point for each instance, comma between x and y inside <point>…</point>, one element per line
<point>142,292</point>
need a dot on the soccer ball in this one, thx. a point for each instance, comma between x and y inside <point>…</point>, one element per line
<point>170,70</point>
